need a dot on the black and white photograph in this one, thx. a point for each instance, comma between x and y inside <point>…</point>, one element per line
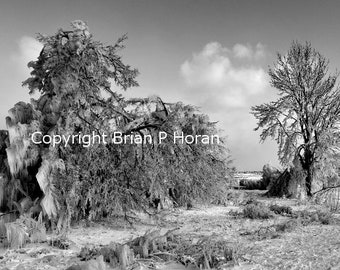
<point>170,135</point>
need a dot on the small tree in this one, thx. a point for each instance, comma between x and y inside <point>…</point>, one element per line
<point>307,110</point>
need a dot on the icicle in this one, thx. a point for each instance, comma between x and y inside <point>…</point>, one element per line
<point>17,151</point>
<point>49,205</point>
<point>43,175</point>
<point>21,113</point>
<point>45,178</point>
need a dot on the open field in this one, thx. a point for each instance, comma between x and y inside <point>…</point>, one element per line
<point>296,240</point>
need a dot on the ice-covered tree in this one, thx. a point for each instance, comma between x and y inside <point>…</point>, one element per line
<point>77,78</point>
<point>307,111</point>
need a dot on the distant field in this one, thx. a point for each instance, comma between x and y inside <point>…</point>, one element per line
<point>254,175</point>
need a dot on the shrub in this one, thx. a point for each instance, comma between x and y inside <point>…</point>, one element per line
<point>256,211</point>
<point>321,216</point>
<point>252,200</point>
<point>281,210</point>
<point>286,226</point>
<point>253,184</point>
<point>325,217</point>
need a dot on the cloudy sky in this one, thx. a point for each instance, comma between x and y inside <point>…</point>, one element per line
<point>214,54</point>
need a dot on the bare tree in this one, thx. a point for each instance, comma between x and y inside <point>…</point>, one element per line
<point>307,110</point>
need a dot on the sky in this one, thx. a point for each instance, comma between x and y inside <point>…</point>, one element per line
<point>213,54</point>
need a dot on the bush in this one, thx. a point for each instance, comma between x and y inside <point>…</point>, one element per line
<point>325,217</point>
<point>256,211</point>
<point>281,210</point>
<point>252,200</point>
<point>321,216</point>
<point>286,226</point>
<point>253,184</point>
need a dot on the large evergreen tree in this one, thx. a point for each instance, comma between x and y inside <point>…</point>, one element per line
<point>73,75</point>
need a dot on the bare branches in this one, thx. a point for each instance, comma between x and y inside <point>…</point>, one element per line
<point>308,106</point>
<point>325,189</point>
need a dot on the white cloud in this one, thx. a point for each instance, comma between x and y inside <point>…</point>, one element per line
<point>212,72</point>
<point>28,50</point>
<point>242,51</point>
<point>247,52</point>
<point>225,83</point>
<point>260,51</point>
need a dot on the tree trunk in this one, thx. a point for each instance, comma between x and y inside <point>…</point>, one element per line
<point>309,178</point>
<point>307,166</point>
<point>299,178</point>
<point>291,183</point>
